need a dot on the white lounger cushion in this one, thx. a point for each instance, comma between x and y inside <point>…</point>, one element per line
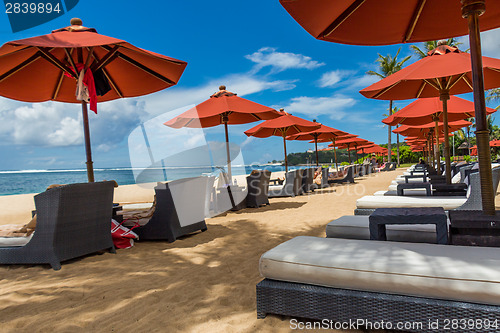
<point>357,227</point>
<point>15,241</point>
<point>379,201</point>
<point>275,187</point>
<point>408,192</point>
<point>460,273</point>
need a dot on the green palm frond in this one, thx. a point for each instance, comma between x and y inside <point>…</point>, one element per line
<point>493,95</point>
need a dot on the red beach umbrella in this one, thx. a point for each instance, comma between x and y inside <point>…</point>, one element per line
<point>226,108</point>
<point>327,138</point>
<point>346,143</point>
<point>382,22</point>
<point>495,143</point>
<point>445,71</point>
<point>408,130</point>
<point>283,126</point>
<point>426,110</point>
<point>324,132</point>
<point>46,68</point>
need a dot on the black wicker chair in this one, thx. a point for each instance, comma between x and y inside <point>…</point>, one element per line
<point>72,221</point>
<point>258,188</point>
<point>349,177</point>
<point>180,210</point>
<point>307,180</point>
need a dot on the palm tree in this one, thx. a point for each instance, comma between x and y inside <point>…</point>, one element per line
<point>388,65</point>
<point>431,45</point>
<point>493,95</point>
<point>396,109</point>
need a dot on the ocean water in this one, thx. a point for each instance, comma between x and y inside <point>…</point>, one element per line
<point>36,181</point>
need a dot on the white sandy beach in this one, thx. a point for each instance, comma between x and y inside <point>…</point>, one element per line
<point>204,282</point>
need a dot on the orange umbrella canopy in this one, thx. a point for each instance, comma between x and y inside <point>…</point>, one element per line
<point>221,107</point>
<point>324,132</point>
<point>495,143</point>
<point>347,142</point>
<point>382,22</point>
<point>407,130</point>
<point>285,125</point>
<point>374,149</point>
<point>32,69</point>
<point>426,110</point>
<point>343,137</point>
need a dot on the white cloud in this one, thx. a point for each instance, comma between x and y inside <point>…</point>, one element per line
<point>280,61</point>
<point>334,106</point>
<point>54,124</point>
<point>40,124</point>
<point>361,82</point>
<point>242,84</point>
<point>331,78</point>
<point>489,43</point>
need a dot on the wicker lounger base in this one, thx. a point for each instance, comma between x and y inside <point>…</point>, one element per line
<point>341,305</point>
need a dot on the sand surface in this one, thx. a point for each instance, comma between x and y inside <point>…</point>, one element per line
<point>204,282</point>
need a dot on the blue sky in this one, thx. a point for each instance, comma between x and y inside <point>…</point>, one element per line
<point>255,48</point>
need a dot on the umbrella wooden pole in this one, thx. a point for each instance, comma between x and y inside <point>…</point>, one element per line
<point>438,158</point>
<point>88,149</point>
<point>431,151</point>
<point>356,152</point>
<point>444,96</point>
<point>349,154</point>
<point>316,147</point>
<point>472,9</point>
<point>229,173</point>
<point>286,159</point>
<point>428,151</point>
<point>335,153</point>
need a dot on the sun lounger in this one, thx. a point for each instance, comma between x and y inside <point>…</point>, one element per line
<point>290,187</point>
<point>346,280</point>
<point>72,221</point>
<point>180,210</point>
<point>367,204</point>
<point>324,179</point>
<point>258,188</point>
<point>386,167</point>
<point>349,177</point>
<point>210,198</point>
<point>308,180</point>
<point>357,227</point>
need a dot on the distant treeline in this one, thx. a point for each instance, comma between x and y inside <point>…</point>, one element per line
<point>325,157</point>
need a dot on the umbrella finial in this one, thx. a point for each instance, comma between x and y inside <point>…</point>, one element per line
<point>76,21</point>
<point>222,87</point>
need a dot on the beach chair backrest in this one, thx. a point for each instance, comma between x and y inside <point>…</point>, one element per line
<point>474,199</point>
<point>188,196</point>
<point>324,177</point>
<point>297,184</point>
<point>210,199</point>
<point>74,219</point>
